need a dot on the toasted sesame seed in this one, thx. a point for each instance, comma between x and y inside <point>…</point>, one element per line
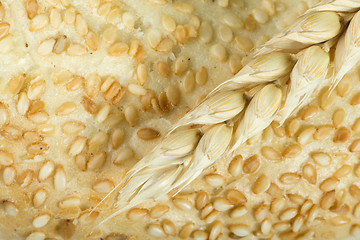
<point>36,236</point>
<point>73,128</point>
<point>96,161</point>
<point>181,64</point>
<point>218,52</point>
<point>271,154</point>
<point>355,230</point>
<point>188,81</point>
<point>261,212</point>
<point>37,148</point>
<point>306,135</point>
<point>41,220</point>
<point>292,151</point>
<point>354,191</point>
<point>321,159</point>
<point>206,210</point>
<point>225,33</point>
<point>240,230</point>
<point>185,8</point>
<point>355,146</point>
<point>277,205</point>
<point>31,7</point>
<point>250,23</point>
<point>75,83</point>
<point>55,18</point>
<point>261,184</point>
<point>222,204</point>
<point>25,178</point>
<point>329,184</point>
<point>205,32</point>
<point>182,203</point>
<point>296,198</point>
<point>69,15</point>
<point>238,211</point>
<point>92,41</point>
<point>186,230</point>
<point>215,180</point>
<point>136,214</point>
<point>159,211</point>
<point>81,26</point>
<point>4,29</point>
<point>46,170</point>
<point>327,99</point>
<point>76,49</point>
<point>355,100</point>
<point>327,200</point>
<point>173,95</point>
<point>2,12</point>
<point>233,21</point>
<point>168,23</point>
<point>323,132</point>
<point>39,197</point>
<point>235,63</point>
<point>211,217</point>
<point>200,235</point>
<point>244,44</point>
<point>60,179</point>
<point>6,43</point>
<point>289,178</point>
<point>104,186</point>
<point>89,105</point>
<point>251,164</point>
<point>131,115</point>
<point>342,135</point>
<point>65,229</point>
<point>70,202</point>
<point>309,173</point>
<point>288,214</point>
<point>235,166</point>
<point>129,20</point>
<point>202,198</point>
<point>148,133</point>
<point>10,208</point>
<point>9,175</point>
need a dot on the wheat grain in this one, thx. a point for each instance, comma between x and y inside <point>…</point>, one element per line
<point>258,115</point>
<point>311,28</point>
<point>308,73</point>
<point>347,50</point>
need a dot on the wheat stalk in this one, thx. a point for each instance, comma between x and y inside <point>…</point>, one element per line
<point>231,114</point>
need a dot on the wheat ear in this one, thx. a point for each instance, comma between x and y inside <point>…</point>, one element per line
<point>188,149</point>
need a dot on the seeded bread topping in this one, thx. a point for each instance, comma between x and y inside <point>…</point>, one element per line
<point>90,87</point>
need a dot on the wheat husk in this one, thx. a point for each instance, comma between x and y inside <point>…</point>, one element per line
<point>337,6</point>
<point>307,75</point>
<point>309,29</point>
<point>348,50</point>
<point>259,114</point>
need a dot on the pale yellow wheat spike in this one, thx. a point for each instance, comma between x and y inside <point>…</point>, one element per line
<point>309,29</point>
<point>184,153</point>
<point>308,73</point>
<point>348,50</point>
<point>337,6</point>
<point>258,115</point>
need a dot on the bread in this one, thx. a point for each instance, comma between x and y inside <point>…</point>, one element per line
<point>90,87</point>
